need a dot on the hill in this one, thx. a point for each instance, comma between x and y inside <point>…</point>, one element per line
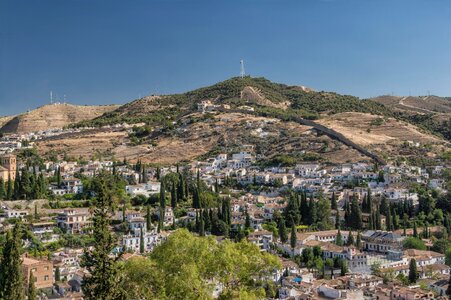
<point>284,123</point>
<point>260,93</point>
<point>52,116</point>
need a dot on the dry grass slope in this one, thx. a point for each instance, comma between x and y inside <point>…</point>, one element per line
<point>53,116</point>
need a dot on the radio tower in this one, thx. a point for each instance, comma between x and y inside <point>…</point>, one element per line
<point>51,97</point>
<point>242,73</point>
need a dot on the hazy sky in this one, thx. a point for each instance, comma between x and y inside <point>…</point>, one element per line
<point>108,51</point>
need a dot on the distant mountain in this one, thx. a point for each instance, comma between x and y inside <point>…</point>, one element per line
<point>51,116</point>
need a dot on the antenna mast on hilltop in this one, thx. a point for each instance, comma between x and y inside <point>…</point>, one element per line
<point>51,97</point>
<point>242,73</point>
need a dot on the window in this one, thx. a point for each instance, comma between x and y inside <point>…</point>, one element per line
<point>46,277</point>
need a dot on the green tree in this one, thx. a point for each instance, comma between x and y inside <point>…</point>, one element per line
<point>9,189</point>
<point>333,201</point>
<point>57,274</point>
<point>141,241</point>
<point>350,240</point>
<point>330,265</point>
<point>414,243</point>
<point>448,290</point>
<point>323,214</point>
<point>413,273</point>
<point>162,194</point>
<point>282,231</point>
<point>339,238</point>
<point>358,242</point>
<point>148,218</point>
<point>293,238</point>
<point>31,292</point>
<point>11,276</point>
<point>247,222</point>
<point>355,215</point>
<point>104,281</point>
<point>2,189</point>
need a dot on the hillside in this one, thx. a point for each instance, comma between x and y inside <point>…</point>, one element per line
<point>52,116</point>
<point>287,121</point>
<point>430,112</point>
<point>256,92</point>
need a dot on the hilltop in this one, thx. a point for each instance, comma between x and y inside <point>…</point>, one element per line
<point>51,116</point>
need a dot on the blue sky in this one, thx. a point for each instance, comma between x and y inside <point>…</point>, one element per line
<point>108,51</point>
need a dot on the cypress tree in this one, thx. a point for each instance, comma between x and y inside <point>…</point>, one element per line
<point>378,221</point>
<point>201,225</point>
<point>216,186</point>
<point>161,220</point>
<point>11,276</point>
<point>304,209</point>
<point>148,219</point>
<point>9,189</point>
<point>415,231</point>
<point>157,173</point>
<point>141,241</point>
<point>2,189</point>
<point>355,215</point>
<point>388,221</point>
<point>413,273</point>
<point>369,201</point>
<point>358,242</point>
<point>180,188</point>
<point>333,201</point>
<point>247,223</point>
<point>17,186</point>
<point>57,274</point>
<point>282,231</point>
<point>339,238</point>
<point>383,207</point>
<point>293,237</point>
<point>337,220</point>
<point>173,196</point>
<point>162,194</point>
<point>31,292</point>
<point>105,277</point>
<point>350,241</point>
<point>312,212</point>
<point>58,177</point>
<point>448,290</point>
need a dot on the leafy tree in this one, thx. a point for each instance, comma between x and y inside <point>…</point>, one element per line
<point>355,215</point>
<point>414,243</point>
<point>413,273</point>
<point>189,267</point>
<point>330,265</point>
<point>104,281</point>
<point>11,276</point>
